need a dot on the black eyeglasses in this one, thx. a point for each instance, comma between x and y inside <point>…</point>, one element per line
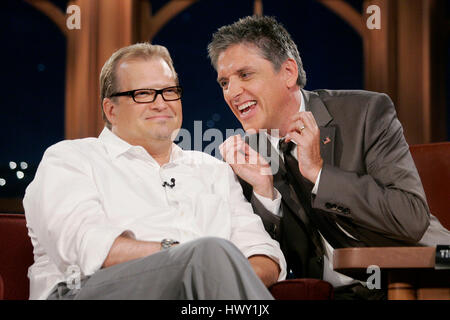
<point>149,95</point>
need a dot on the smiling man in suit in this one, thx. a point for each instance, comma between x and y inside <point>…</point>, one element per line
<point>346,175</point>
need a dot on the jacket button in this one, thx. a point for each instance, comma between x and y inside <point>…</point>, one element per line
<point>328,205</point>
<point>340,209</point>
<point>346,211</point>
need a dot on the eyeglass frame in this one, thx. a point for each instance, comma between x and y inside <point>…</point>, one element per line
<point>131,94</point>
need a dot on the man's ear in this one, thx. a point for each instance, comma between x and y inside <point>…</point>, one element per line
<point>290,70</point>
<point>110,110</point>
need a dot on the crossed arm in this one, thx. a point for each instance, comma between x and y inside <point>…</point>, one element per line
<point>125,249</point>
<point>265,268</point>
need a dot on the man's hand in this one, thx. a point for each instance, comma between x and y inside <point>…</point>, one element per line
<point>125,249</point>
<point>304,131</point>
<point>265,268</point>
<point>249,165</point>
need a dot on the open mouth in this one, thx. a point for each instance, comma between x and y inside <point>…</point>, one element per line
<point>247,107</point>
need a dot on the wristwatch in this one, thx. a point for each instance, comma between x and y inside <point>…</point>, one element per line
<point>167,243</point>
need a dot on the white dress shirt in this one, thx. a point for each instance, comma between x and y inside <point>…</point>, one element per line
<point>89,191</point>
<point>335,278</point>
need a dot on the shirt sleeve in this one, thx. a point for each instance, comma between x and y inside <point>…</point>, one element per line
<point>64,211</point>
<point>274,205</point>
<point>316,185</point>
<point>247,229</point>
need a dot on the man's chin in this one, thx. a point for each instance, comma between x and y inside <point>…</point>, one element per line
<point>251,130</point>
<point>159,135</point>
<point>250,127</point>
<point>164,136</point>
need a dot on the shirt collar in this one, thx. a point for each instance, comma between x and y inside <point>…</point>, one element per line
<point>116,146</point>
<point>302,102</point>
<point>113,144</point>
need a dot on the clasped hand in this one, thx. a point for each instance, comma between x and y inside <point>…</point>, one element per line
<point>250,166</point>
<point>303,130</point>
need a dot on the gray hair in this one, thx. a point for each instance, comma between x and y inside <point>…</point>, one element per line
<point>108,77</point>
<point>265,33</point>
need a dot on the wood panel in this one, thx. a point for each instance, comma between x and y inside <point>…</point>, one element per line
<point>105,27</point>
<point>406,59</point>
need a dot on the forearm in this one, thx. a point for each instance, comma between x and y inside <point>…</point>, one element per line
<point>265,268</point>
<point>125,249</point>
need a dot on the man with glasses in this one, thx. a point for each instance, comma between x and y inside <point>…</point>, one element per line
<point>130,215</point>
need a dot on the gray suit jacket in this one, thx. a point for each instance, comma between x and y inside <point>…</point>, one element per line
<point>369,183</point>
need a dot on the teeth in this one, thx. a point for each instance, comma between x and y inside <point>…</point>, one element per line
<point>246,105</point>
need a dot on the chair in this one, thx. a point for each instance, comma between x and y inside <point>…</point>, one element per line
<point>433,164</point>
<point>302,289</point>
<point>16,255</point>
<point>410,271</point>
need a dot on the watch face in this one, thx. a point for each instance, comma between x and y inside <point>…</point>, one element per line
<point>167,243</point>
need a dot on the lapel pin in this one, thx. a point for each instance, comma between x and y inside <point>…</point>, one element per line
<point>326,140</point>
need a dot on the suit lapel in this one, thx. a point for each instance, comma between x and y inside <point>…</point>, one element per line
<point>323,118</point>
<point>327,144</point>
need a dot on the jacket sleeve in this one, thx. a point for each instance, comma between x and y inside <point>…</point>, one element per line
<point>389,198</point>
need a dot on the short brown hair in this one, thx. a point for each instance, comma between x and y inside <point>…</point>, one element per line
<point>108,77</point>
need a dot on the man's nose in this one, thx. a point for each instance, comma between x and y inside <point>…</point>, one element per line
<point>235,88</point>
<point>159,103</point>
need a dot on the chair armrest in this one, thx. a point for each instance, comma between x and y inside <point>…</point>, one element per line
<point>302,289</point>
<point>353,262</point>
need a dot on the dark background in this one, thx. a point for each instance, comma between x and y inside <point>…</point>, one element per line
<point>33,69</point>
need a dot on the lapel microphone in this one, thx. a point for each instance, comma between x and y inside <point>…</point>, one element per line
<point>171,185</point>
